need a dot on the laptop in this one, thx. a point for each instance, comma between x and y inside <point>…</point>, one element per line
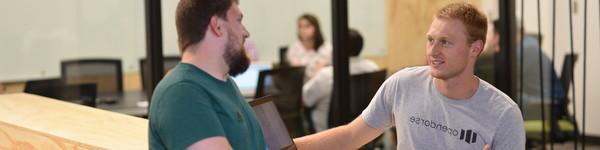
<point>248,80</point>
<point>274,130</point>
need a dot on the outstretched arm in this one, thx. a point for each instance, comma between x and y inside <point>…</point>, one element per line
<point>350,136</point>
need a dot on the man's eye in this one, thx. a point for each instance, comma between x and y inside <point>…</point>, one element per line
<point>444,43</point>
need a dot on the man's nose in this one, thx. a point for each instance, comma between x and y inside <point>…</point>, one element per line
<point>245,32</point>
<point>434,49</point>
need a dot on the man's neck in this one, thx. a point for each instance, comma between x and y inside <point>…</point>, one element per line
<point>214,66</point>
<point>458,88</point>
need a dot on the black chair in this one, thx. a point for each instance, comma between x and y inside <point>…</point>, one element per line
<point>32,85</point>
<point>362,89</point>
<point>563,122</point>
<point>169,62</point>
<point>563,125</point>
<point>107,74</point>
<point>283,62</point>
<point>84,94</point>
<point>566,75</point>
<point>285,85</point>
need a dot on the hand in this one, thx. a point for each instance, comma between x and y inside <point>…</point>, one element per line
<point>486,147</point>
<point>318,66</point>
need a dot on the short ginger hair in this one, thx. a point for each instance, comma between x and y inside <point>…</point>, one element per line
<point>474,20</point>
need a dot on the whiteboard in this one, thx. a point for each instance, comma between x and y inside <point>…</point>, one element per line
<point>37,35</point>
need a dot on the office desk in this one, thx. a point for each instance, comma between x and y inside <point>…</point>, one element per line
<point>134,103</point>
<point>248,92</point>
<point>34,122</point>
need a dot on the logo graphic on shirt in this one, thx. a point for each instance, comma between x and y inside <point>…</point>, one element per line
<point>469,136</point>
<point>239,117</point>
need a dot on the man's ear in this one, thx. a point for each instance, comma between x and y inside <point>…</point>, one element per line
<point>476,48</point>
<point>215,25</point>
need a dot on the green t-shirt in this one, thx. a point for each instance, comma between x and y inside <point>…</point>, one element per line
<point>189,105</point>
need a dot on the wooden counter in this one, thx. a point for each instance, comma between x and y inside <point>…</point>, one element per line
<point>35,122</point>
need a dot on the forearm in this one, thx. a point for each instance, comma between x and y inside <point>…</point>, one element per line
<point>351,136</point>
<point>336,138</point>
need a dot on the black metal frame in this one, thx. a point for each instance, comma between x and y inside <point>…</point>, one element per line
<point>506,57</point>
<point>341,73</point>
<point>154,51</point>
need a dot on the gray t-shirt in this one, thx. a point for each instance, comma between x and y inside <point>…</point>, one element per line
<point>425,119</point>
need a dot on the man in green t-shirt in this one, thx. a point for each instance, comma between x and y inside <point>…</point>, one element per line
<point>198,105</point>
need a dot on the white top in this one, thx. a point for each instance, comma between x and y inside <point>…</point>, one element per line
<point>317,91</point>
<point>297,55</point>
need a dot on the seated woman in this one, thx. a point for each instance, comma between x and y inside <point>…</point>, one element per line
<point>310,50</point>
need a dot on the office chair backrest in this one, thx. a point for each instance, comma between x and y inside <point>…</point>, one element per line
<point>107,74</point>
<point>566,75</point>
<point>32,86</point>
<point>169,62</point>
<point>560,111</point>
<point>283,56</point>
<point>84,94</point>
<point>362,89</point>
<point>285,85</point>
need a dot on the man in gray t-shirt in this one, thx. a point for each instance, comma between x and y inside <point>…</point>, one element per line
<point>439,106</point>
<point>426,119</point>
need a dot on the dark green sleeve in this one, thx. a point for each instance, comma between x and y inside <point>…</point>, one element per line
<point>186,116</point>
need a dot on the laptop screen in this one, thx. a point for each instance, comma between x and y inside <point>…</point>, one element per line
<point>248,80</point>
<point>274,130</point>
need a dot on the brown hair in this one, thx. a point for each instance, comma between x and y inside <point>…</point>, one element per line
<point>318,35</point>
<point>193,16</point>
<point>474,21</point>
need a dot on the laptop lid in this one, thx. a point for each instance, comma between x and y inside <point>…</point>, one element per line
<point>274,130</point>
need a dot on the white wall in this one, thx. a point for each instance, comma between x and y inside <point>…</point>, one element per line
<point>272,23</point>
<point>36,35</point>
<point>563,47</point>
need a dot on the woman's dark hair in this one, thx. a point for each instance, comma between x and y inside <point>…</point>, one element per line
<point>318,35</point>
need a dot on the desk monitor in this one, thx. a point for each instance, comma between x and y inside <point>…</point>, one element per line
<point>275,132</point>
